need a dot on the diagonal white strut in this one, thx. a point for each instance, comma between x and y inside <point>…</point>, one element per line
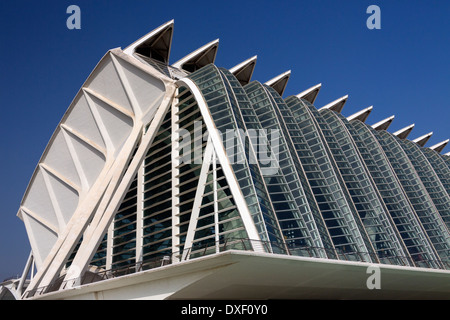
<point>207,159</point>
<point>226,166</point>
<point>102,218</point>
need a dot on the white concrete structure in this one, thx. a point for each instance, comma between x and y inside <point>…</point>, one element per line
<point>310,94</point>
<point>153,187</point>
<point>422,140</point>
<point>383,124</point>
<point>438,147</point>
<point>361,115</point>
<point>279,83</point>
<point>247,275</point>
<point>404,133</point>
<point>336,105</point>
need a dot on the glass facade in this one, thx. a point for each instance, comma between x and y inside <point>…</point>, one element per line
<point>286,191</point>
<point>225,112</point>
<point>218,217</point>
<point>417,194</point>
<point>439,166</point>
<point>157,195</point>
<point>337,211</point>
<point>402,212</point>
<point>370,207</point>
<point>313,183</point>
<point>447,160</point>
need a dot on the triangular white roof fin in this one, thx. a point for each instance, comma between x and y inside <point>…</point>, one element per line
<point>404,133</point>
<point>447,154</point>
<point>383,124</point>
<point>310,94</point>
<point>155,44</point>
<point>361,115</point>
<point>244,70</point>
<point>438,147</point>
<point>199,58</point>
<point>336,105</point>
<point>422,140</point>
<point>279,82</point>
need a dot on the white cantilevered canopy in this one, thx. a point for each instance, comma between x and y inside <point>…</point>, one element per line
<point>199,58</point>
<point>438,147</point>
<point>336,105</point>
<point>383,124</point>
<point>155,44</point>
<point>279,83</point>
<point>404,133</point>
<point>361,115</point>
<point>310,94</point>
<point>244,70</point>
<point>422,140</point>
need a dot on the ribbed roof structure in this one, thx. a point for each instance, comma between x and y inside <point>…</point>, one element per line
<point>156,163</point>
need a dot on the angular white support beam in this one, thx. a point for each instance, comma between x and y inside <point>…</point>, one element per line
<point>155,44</point>
<point>438,147</point>
<point>422,140</point>
<point>447,154</point>
<point>361,115</point>
<point>279,82</point>
<point>239,199</point>
<point>336,105</point>
<point>383,124</point>
<point>199,58</point>
<point>404,133</point>
<point>207,161</point>
<point>310,94</point>
<point>244,70</point>
<point>29,265</point>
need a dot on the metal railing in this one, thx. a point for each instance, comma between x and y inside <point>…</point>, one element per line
<point>245,244</point>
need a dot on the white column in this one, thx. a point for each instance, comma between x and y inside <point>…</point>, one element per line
<point>198,200</point>
<point>216,205</point>
<point>109,245</point>
<point>175,180</point>
<point>140,214</point>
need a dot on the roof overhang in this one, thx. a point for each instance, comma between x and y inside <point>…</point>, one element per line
<point>237,275</point>
<point>383,124</point>
<point>156,44</point>
<point>438,147</point>
<point>336,105</point>
<point>244,71</point>
<point>361,115</point>
<point>310,94</point>
<point>422,140</point>
<point>199,58</point>
<point>404,133</point>
<point>279,83</point>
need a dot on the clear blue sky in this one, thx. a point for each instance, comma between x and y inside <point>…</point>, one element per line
<point>401,69</point>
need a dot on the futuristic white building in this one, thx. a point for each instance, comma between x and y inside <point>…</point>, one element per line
<point>191,181</point>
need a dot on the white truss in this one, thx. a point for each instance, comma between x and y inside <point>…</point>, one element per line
<point>85,159</point>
